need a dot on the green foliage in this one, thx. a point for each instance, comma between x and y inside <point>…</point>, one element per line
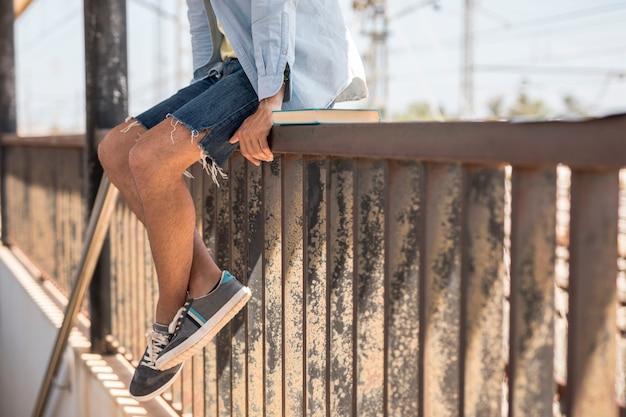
<point>419,111</point>
<point>524,106</point>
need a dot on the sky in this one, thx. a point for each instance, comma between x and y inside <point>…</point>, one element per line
<point>547,50</point>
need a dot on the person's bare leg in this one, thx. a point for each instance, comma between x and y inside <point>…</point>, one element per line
<point>114,153</point>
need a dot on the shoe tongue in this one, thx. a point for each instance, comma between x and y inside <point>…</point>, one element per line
<point>161,329</point>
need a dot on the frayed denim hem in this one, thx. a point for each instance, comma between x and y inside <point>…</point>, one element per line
<point>208,163</point>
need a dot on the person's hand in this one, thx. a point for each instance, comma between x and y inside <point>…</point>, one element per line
<point>253,132</point>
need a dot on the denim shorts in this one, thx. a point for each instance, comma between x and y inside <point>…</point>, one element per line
<point>220,102</point>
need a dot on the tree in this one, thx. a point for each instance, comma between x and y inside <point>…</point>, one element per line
<point>417,111</point>
<point>525,106</point>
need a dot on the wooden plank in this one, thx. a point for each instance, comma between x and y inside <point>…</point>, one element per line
<point>592,294</point>
<point>533,240</point>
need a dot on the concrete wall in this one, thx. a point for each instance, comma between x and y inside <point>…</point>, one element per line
<point>86,384</point>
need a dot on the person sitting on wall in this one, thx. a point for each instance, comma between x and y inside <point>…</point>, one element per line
<point>250,57</point>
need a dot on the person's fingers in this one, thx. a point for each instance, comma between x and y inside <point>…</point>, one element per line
<point>248,151</point>
<point>265,149</point>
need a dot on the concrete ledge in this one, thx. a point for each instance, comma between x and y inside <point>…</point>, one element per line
<point>86,384</point>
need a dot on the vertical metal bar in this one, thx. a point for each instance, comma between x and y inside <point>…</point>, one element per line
<point>107,105</point>
<point>209,234</point>
<point>95,236</point>
<point>225,207</point>
<point>442,298</point>
<point>483,269</point>
<point>8,118</point>
<point>533,218</point>
<point>592,308</point>
<point>370,286</point>
<point>316,313</point>
<point>239,267</point>
<point>198,361</point>
<point>273,288</point>
<point>341,287</point>
<point>255,323</point>
<point>293,293</point>
<point>402,325</point>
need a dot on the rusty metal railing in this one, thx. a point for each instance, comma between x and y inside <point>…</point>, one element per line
<point>375,257</point>
<point>96,234</point>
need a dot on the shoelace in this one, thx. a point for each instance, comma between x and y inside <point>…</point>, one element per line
<point>178,318</point>
<point>156,343</point>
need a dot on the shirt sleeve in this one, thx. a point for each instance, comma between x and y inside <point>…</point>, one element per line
<point>273,37</point>
<point>200,33</point>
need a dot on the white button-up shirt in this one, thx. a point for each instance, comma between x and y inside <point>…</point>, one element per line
<point>267,35</point>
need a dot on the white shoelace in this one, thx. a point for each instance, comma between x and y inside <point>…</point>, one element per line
<point>178,319</point>
<point>156,342</point>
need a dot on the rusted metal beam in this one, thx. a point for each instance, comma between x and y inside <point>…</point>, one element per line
<point>60,141</point>
<point>592,143</point>
<point>533,214</point>
<point>441,320</point>
<point>403,233</point>
<point>341,285</point>
<point>482,290</point>
<point>292,214</point>
<point>106,106</point>
<point>592,295</point>
<point>8,119</point>
<point>369,266</point>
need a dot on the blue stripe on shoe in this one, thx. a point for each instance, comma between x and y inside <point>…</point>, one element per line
<point>226,276</point>
<point>196,317</point>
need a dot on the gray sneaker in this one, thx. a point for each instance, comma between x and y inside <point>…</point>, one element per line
<point>204,317</point>
<point>148,381</point>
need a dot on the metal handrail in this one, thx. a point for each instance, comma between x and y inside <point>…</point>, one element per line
<point>94,238</point>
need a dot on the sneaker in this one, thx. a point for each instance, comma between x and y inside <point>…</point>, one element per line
<point>205,316</point>
<point>148,381</point>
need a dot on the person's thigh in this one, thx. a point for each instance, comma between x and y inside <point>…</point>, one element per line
<point>215,115</point>
<point>157,113</point>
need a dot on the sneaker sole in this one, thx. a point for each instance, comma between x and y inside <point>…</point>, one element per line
<point>158,392</point>
<point>196,341</point>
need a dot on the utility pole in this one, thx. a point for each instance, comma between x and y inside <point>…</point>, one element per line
<point>376,25</point>
<point>467,77</point>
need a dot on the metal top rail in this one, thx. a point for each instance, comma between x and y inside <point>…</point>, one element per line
<point>597,143</point>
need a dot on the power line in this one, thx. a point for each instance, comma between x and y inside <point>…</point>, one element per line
<point>560,71</point>
<point>541,23</point>
<point>565,17</point>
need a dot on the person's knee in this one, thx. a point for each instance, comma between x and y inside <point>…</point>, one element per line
<point>109,154</point>
<point>141,161</point>
<point>113,149</point>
